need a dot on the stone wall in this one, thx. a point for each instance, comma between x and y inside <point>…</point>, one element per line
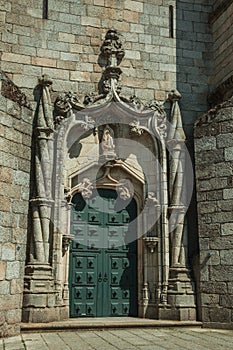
<point>221,22</point>
<point>194,44</point>
<point>15,155</point>
<point>67,44</point>
<point>214,172</point>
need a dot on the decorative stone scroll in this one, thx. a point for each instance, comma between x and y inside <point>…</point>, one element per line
<point>151,199</point>
<point>64,104</point>
<point>125,189</point>
<point>135,128</point>
<point>86,188</point>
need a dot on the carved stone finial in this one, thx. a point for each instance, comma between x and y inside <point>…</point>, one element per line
<point>112,48</point>
<point>45,80</point>
<point>151,199</point>
<point>174,95</point>
<point>135,128</point>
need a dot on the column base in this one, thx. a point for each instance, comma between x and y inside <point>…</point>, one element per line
<point>181,296</point>
<point>44,314</point>
<point>40,298</point>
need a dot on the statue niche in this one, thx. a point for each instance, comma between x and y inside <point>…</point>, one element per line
<point>107,146</point>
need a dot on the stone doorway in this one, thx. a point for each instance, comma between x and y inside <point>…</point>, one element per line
<point>116,143</point>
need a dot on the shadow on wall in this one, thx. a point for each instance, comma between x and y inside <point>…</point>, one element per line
<point>193,54</point>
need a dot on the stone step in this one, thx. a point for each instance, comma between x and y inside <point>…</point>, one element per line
<point>105,323</point>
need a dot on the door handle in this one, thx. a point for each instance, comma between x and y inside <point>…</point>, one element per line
<point>100,277</point>
<point>105,277</point>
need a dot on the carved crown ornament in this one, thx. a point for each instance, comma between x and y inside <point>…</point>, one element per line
<point>94,106</point>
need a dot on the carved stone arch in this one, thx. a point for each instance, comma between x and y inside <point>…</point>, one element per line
<point>169,293</point>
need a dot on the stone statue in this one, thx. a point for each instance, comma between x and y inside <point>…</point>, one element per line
<point>107,143</point>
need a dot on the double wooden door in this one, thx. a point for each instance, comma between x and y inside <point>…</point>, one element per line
<point>103,266</point>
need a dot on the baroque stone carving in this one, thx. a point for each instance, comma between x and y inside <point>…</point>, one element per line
<point>136,103</point>
<point>158,123</point>
<point>64,103</point>
<point>107,143</point>
<point>112,48</point>
<point>125,189</point>
<point>11,91</point>
<point>86,188</point>
<point>151,199</point>
<point>66,239</point>
<point>135,128</point>
<point>151,243</point>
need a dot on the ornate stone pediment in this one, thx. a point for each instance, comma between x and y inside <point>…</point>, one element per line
<point>108,105</point>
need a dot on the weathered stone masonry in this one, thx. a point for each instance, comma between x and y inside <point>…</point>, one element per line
<point>214,172</point>
<point>66,46</point>
<point>15,157</point>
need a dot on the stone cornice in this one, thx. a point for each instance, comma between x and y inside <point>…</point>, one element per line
<point>219,10</point>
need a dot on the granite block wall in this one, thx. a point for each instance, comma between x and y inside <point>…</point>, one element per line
<point>222,28</point>
<point>66,46</point>
<point>214,173</point>
<point>15,155</point>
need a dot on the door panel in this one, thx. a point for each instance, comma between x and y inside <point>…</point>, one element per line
<point>103,269</point>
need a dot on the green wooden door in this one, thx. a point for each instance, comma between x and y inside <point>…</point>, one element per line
<point>103,267</point>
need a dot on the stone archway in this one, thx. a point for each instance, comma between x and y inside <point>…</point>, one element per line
<point>118,127</point>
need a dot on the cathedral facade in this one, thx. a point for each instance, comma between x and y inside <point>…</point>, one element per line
<point>116,161</point>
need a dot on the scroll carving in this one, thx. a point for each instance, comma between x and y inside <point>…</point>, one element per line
<point>125,189</point>
<point>86,188</point>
